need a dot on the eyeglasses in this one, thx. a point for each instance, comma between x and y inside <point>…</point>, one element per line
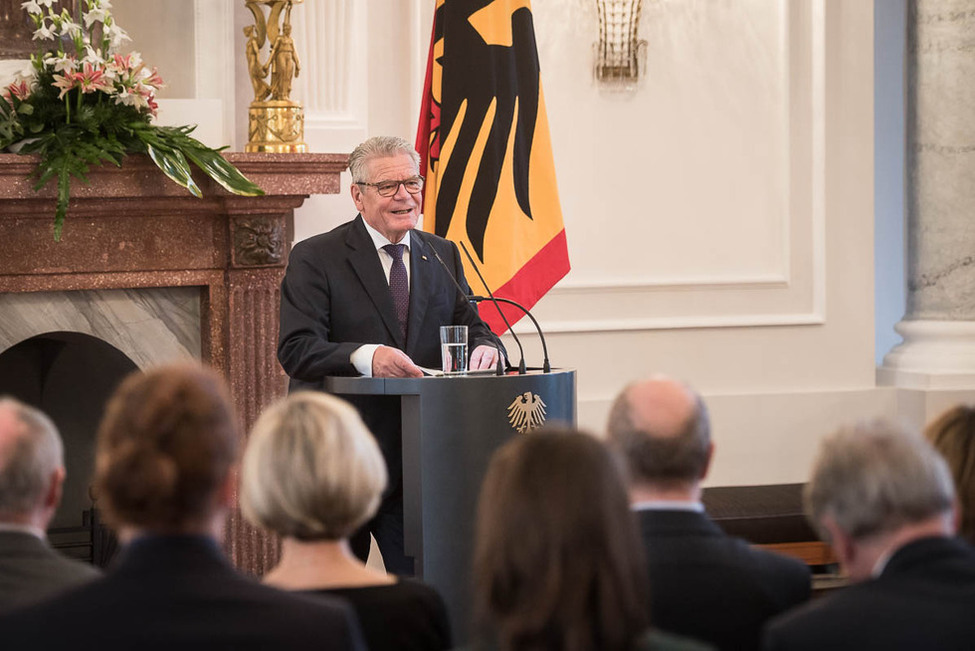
<point>388,188</point>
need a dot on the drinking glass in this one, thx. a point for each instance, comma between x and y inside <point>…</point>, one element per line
<point>453,348</point>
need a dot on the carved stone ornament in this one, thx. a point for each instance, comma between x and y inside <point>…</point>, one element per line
<point>258,241</point>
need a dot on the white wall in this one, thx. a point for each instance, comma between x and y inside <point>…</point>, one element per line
<point>720,217</point>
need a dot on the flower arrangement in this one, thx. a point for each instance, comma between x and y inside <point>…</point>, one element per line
<point>82,103</point>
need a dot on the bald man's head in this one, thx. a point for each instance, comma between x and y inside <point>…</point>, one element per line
<point>662,429</point>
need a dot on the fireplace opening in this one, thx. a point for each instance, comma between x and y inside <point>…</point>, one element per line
<point>70,376</point>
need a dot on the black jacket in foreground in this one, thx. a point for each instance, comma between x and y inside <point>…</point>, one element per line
<point>178,593</point>
<point>923,600</point>
<point>710,586</point>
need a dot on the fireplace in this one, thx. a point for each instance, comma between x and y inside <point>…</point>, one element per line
<point>145,274</point>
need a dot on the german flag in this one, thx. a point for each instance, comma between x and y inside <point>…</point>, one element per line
<point>486,152</point>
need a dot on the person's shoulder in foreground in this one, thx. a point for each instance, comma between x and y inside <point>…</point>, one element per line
<point>404,615</point>
<point>179,591</point>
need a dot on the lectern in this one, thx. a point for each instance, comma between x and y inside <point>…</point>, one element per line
<point>451,426</point>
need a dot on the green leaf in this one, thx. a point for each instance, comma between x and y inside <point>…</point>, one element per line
<point>218,169</point>
<point>64,194</point>
<point>173,164</point>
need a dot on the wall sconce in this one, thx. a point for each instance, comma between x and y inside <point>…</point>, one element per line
<point>620,55</point>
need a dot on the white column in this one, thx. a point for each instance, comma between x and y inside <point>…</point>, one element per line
<point>939,327</point>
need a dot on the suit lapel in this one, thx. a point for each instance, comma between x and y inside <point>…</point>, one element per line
<point>365,262</point>
<point>422,281</point>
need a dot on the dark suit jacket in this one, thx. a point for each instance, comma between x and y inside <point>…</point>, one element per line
<point>178,593</point>
<point>335,298</point>
<point>707,585</point>
<point>31,570</point>
<point>924,599</point>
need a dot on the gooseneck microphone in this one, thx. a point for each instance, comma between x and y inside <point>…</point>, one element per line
<point>546,366</point>
<point>467,300</point>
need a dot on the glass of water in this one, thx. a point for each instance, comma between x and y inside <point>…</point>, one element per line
<point>453,348</point>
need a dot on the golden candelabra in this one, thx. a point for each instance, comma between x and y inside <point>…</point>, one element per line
<point>276,123</point>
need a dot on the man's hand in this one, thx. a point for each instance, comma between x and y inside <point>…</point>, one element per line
<point>392,362</point>
<point>483,357</point>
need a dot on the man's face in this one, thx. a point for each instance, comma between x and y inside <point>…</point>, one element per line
<point>392,216</point>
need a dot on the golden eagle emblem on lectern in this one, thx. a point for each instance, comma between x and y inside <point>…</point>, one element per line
<point>526,412</point>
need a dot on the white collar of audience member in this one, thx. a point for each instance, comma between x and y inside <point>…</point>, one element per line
<point>667,505</point>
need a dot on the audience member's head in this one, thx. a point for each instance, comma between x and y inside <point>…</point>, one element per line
<point>874,487</point>
<point>31,465</point>
<point>558,563</point>
<point>311,471</point>
<point>953,435</point>
<point>662,429</point>
<point>165,451</point>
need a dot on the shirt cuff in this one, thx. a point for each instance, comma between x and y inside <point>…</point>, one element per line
<point>361,358</point>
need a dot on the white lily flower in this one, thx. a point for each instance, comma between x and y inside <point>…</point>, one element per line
<point>31,6</point>
<point>95,16</point>
<point>70,28</point>
<point>60,63</point>
<point>44,32</point>
<point>116,36</point>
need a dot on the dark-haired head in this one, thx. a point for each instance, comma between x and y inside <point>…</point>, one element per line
<point>558,561</point>
<point>165,450</point>
<point>953,435</point>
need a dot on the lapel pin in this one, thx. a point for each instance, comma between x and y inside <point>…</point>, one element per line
<point>424,257</point>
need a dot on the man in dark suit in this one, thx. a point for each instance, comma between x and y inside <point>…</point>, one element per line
<point>31,478</point>
<point>885,499</point>
<point>703,583</point>
<point>164,476</point>
<point>368,298</point>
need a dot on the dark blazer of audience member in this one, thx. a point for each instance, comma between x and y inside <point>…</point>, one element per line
<point>31,477</point>
<point>558,563</point>
<point>953,435</point>
<point>705,584</point>
<point>164,476</point>
<point>884,498</point>
<point>313,473</point>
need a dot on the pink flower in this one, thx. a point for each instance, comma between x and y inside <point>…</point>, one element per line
<point>91,79</point>
<point>20,90</point>
<point>126,62</point>
<point>65,82</point>
<point>152,79</point>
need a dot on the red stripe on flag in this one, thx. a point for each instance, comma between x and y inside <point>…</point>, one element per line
<point>530,283</point>
<point>426,102</point>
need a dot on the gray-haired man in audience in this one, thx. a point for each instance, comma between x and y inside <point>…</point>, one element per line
<point>31,475</point>
<point>703,583</point>
<point>885,500</point>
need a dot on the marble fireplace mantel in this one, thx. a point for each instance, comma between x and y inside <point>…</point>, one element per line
<point>132,228</point>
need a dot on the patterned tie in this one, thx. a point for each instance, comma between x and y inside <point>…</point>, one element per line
<point>399,285</point>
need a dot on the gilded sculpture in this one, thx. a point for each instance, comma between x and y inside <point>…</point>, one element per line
<point>275,121</point>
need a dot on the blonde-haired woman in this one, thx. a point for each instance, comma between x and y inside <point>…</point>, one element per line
<point>313,473</point>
